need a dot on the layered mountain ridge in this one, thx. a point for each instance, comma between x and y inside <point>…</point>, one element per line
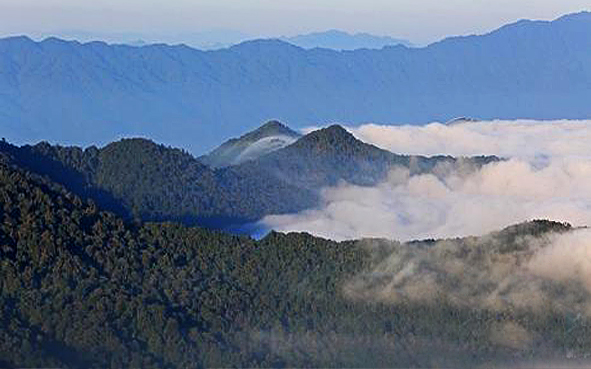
<point>94,93</point>
<point>340,40</point>
<point>144,180</point>
<point>82,288</point>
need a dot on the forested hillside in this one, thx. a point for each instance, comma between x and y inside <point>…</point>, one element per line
<point>331,155</point>
<point>136,177</point>
<point>141,179</point>
<point>82,288</point>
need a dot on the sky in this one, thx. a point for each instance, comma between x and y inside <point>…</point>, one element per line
<point>420,21</point>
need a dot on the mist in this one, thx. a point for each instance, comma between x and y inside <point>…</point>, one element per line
<point>545,176</point>
<point>551,272</point>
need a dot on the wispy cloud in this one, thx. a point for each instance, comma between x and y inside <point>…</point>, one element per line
<point>486,273</point>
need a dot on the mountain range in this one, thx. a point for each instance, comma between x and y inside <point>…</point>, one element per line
<point>340,40</point>
<point>224,38</point>
<point>94,93</point>
<point>83,288</point>
<point>139,179</point>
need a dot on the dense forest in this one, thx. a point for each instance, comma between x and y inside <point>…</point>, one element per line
<point>139,179</point>
<point>83,288</point>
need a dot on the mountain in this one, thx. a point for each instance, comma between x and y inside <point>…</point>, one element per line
<point>205,40</point>
<point>270,137</point>
<point>137,178</point>
<point>82,288</point>
<point>94,93</point>
<point>339,40</point>
<point>328,156</point>
<point>141,179</point>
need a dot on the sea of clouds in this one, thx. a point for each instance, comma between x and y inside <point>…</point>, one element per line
<point>546,174</point>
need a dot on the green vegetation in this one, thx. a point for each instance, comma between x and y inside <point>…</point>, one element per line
<point>138,179</point>
<point>331,155</point>
<point>152,182</point>
<point>83,288</point>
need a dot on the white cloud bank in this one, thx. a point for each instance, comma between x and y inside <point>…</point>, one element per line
<point>521,138</point>
<point>548,176</point>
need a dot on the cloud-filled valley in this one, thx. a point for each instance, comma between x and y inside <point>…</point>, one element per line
<point>545,175</point>
<point>379,238</point>
<point>511,138</point>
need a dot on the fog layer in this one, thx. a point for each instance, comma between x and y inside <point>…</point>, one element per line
<point>546,175</point>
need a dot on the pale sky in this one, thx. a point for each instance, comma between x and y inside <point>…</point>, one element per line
<point>420,21</point>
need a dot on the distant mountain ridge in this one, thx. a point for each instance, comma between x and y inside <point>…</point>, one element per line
<point>219,39</point>
<point>94,93</point>
<point>340,40</point>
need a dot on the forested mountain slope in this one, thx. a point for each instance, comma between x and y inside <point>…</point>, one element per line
<point>81,288</point>
<point>136,177</point>
<point>139,178</point>
<point>328,156</point>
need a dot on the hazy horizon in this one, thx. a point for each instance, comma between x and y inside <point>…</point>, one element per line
<point>225,21</point>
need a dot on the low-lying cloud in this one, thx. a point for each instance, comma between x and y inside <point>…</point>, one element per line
<point>518,276</point>
<point>520,138</point>
<point>529,273</point>
<point>547,176</point>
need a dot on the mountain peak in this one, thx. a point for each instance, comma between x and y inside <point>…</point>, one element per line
<point>269,137</point>
<point>133,147</point>
<point>133,141</point>
<point>335,131</point>
<point>272,127</point>
<point>583,15</point>
<point>273,123</point>
<point>265,43</point>
<point>337,128</point>
<point>335,39</point>
<point>332,138</point>
<point>21,38</point>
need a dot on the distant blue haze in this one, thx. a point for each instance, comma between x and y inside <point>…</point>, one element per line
<point>93,93</point>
